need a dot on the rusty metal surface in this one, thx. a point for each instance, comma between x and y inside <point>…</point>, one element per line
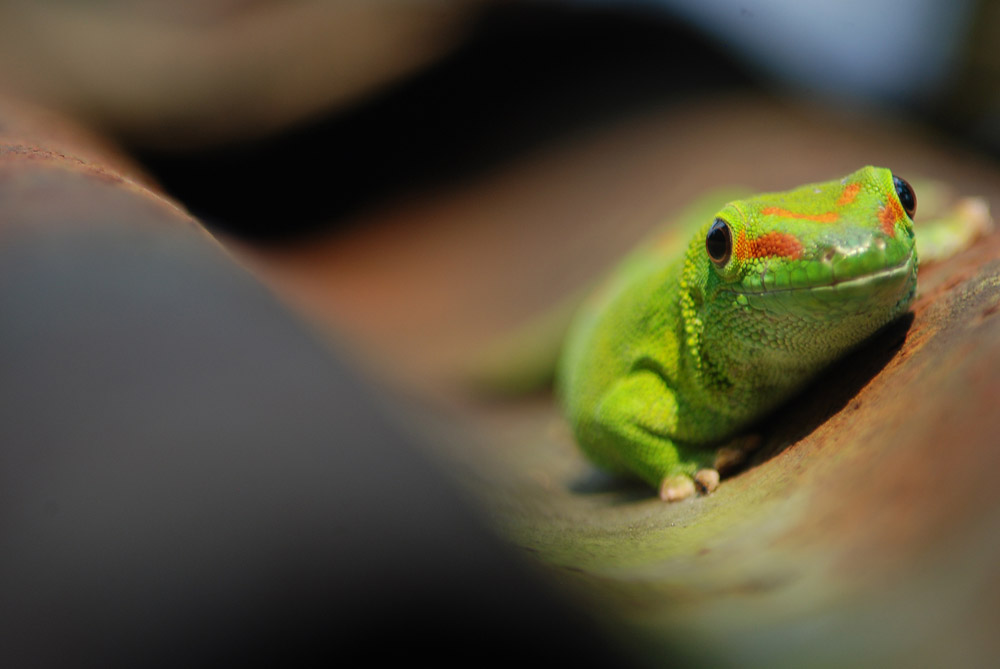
<point>867,530</point>
<point>39,134</point>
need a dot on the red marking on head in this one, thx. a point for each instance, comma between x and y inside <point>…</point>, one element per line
<point>828,217</point>
<point>850,192</point>
<point>780,244</point>
<point>888,215</point>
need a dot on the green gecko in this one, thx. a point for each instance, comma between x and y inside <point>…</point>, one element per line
<point>681,348</point>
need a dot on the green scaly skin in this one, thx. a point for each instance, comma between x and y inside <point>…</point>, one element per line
<point>676,353</point>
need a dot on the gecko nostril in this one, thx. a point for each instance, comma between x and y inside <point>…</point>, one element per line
<point>829,254</point>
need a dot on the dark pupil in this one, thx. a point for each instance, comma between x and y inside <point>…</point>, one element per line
<point>719,242</point>
<point>907,197</point>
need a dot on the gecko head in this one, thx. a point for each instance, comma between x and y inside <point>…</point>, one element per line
<point>834,259</point>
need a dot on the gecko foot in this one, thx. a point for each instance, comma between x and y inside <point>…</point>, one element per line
<point>706,480</point>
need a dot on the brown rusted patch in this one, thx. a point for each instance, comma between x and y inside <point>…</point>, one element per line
<point>10,152</point>
<point>31,132</point>
<point>35,142</point>
<point>991,310</point>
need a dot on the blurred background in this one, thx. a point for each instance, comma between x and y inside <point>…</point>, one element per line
<point>268,118</point>
<point>225,446</point>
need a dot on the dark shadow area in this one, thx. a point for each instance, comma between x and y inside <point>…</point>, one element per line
<point>529,74</point>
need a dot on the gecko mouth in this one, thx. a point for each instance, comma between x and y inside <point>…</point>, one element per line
<point>886,276</point>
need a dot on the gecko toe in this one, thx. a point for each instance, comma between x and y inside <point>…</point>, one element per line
<point>676,488</point>
<point>706,480</point>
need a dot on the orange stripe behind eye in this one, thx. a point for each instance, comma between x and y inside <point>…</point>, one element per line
<point>778,244</point>
<point>888,215</point>
<point>828,217</point>
<point>850,192</point>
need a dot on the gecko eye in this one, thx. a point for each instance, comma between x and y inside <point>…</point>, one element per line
<point>907,197</point>
<point>719,242</point>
